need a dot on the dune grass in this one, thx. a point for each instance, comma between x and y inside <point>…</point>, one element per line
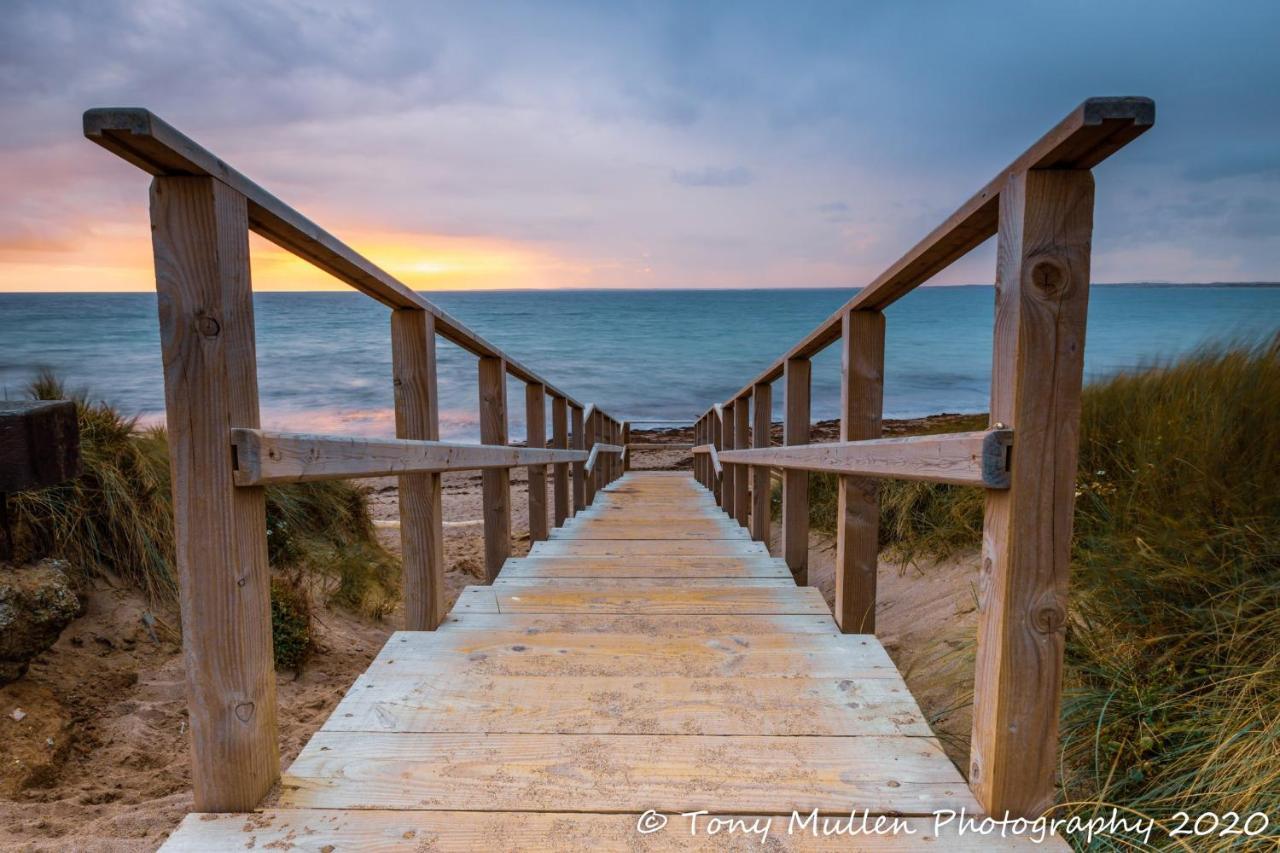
<point>116,520</point>
<point>1172,700</point>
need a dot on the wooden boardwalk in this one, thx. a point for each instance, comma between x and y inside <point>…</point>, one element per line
<point>648,655</point>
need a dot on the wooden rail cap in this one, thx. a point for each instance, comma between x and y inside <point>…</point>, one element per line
<point>962,458</point>
<point>261,458</point>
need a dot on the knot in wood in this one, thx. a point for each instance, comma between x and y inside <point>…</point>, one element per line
<point>244,711</point>
<point>208,326</point>
<point>1049,617</point>
<point>1048,276</point>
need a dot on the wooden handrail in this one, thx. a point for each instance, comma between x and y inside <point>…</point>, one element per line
<point>1089,134</point>
<point>202,211</point>
<point>713,456</point>
<point>596,450</point>
<point>1041,209</point>
<point>153,145</point>
<point>262,458</point>
<point>961,458</point>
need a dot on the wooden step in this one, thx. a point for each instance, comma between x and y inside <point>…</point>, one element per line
<point>692,602</point>
<point>648,548</point>
<point>644,567</point>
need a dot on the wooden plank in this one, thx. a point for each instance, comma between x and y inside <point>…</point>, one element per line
<point>719,600</point>
<point>600,581</point>
<point>535,400</point>
<point>591,434</point>
<point>151,144</point>
<point>495,482</point>
<point>742,482</point>
<point>455,654</point>
<point>560,471</point>
<point>382,831</point>
<point>615,772</point>
<point>199,232</point>
<point>523,704</point>
<point>714,625</point>
<point>263,458</point>
<point>858,498</point>
<point>717,428</point>
<point>413,358</point>
<point>1088,135</point>
<point>644,567</point>
<point>762,401</point>
<point>577,442</point>
<point>961,458</point>
<point>1042,285</point>
<point>646,548</point>
<point>795,483</point>
<point>654,530</point>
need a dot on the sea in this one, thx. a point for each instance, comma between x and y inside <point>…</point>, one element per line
<point>652,357</point>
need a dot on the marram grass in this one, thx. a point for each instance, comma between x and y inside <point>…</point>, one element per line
<point>116,520</point>
<point>1172,695</point>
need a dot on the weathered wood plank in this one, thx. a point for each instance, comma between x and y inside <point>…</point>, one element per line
<point>413,362</point>
<point>762,416</point>
<point>647,548</point>
<point>560,471</point>
<point>1042,293</point>
<point>199,231</point>
<point>577,441</point>
<point>726,600</point>
<point>536,437</point>
<point>742,480</point>
<point>729,479</point>
<point>644,567</point>
<point>714,625</point>
<point>381,831</point>
<point>795,482</point>
<point>578,704</point>
<point>263,458</point>
<point>39,444</point>
<point>961,458</point>
<point>614,772</point>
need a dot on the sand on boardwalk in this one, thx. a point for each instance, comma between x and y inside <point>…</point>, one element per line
<point>109,698</point>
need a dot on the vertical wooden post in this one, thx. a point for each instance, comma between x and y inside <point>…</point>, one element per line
<point>718,441</point>
<point>577,440</point>
<point>795,484</point>
<point>589,441</point>
<point>1042,291</point>
<point>200,236</point>
<point>495,482</point>
<point>535,408</point>
<point>698,440</point>
<point>626,439</point>
<point>858,498</point>
<point>762,400</point>
<point>729,477</point>
<point>742,477</point>
<point>413,357</point>
<point>560,471</point>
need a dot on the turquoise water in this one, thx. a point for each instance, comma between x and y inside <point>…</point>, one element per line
<point>324,362</point>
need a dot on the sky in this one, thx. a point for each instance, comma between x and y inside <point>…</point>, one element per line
<point>638,145</point>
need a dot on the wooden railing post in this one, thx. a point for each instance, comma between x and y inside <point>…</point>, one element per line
<point>1042,284</point>
<point>795,484</point>
<point>495,482</point>
<point>200,236</point>
<point>560,471</point>
<point>742,478</point>
<point>535,406</point>
<point>858,498</point>
<point>718,440</point>
<point>590,430</point>
<point>699,437</point>
<point>762,401</point>
<point>626,439</point>
<point>729,479</point>
<point>413,357</point>
<point>577,441</point>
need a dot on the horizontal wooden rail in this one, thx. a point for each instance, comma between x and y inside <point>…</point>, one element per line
<point>262,458</point>
<point>596,450</point>
<point>632,445</point>
<point>710,450</point>
<point>1089,134</point>
<point>962,458</point>
<point>153,145</point>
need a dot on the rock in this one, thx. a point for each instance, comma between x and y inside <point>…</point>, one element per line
<point>36,603</point>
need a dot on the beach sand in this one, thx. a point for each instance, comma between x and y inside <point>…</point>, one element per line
<point>111,699</point>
